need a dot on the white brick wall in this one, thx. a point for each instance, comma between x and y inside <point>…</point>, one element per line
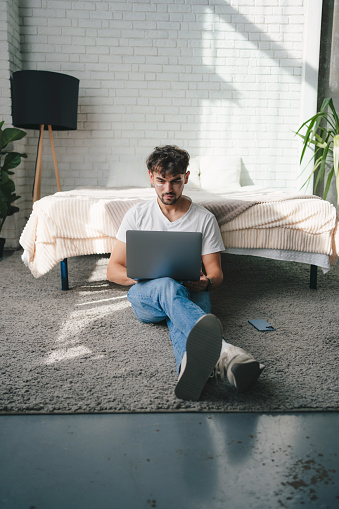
<point>214,77</point>
<point>10,61</point>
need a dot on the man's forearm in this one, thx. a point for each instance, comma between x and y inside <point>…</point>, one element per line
<point>118,274</point>
<point>216,278</point>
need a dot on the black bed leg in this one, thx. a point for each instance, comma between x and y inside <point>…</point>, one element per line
<point>313,277</point>
<point>64,274</point>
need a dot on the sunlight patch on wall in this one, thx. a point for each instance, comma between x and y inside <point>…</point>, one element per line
<point>251,78</point>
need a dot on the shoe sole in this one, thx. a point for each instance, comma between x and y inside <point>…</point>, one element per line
<point>202,350</point>
<point>244,374</point>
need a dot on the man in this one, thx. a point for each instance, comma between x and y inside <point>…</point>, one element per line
<point>196,334</point>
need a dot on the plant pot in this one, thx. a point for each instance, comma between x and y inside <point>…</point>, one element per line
<point>2,245</point>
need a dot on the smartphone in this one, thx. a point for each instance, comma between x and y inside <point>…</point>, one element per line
<point>261,325</point>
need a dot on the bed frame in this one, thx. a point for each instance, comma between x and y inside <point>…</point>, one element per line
<point>65,282</point>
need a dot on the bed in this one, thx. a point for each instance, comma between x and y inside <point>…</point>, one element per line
<point>259,222</point>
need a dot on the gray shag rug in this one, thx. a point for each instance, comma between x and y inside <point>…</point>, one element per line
<point>84,351</point>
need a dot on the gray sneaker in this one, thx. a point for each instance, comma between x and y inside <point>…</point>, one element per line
<point>241,369</point>
<point>202,353</point>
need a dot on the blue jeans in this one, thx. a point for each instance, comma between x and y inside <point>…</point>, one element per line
<point>161,299</point>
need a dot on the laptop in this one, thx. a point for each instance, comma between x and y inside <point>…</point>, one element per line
<point>155,254</point>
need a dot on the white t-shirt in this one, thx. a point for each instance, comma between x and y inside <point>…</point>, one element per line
<point>148,216</point>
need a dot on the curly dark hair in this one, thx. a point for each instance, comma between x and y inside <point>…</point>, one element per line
<point>168,159</point>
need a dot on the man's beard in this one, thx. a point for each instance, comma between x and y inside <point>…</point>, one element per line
<point>170,200</point>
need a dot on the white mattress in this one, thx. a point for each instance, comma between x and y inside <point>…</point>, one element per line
<point>266,223</point>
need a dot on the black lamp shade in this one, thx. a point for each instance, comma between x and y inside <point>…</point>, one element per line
<point>44,97</point>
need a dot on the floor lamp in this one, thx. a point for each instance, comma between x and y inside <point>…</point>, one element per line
<point>44,100</point>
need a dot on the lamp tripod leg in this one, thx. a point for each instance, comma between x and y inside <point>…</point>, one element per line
<point>54,157</point>
<point>37,183</point>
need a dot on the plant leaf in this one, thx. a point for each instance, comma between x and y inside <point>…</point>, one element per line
<point>4,178</point>
<point>12,209</point>
<point>10,134</point>
<point>336,153</point>
<point>3,209</point>
<point>12,160</point>
<point>6,189</point>
<point>328,183</point>
<point>335,115</point>
<point>321,140</point>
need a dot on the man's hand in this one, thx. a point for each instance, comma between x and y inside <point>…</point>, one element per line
<point>212,265</point>
<point>199,285</point>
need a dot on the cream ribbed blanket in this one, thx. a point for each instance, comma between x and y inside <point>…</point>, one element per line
<point>86,220</point>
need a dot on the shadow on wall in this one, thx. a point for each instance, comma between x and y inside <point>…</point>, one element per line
<point>245,179</point>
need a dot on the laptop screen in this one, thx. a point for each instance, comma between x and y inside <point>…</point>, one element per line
<point>155,254</point>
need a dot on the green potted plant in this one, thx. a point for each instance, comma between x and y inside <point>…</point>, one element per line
<point>322,134</point>
<point>8,161</point>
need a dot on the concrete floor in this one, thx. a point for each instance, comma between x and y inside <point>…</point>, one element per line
<point>166,461</point>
